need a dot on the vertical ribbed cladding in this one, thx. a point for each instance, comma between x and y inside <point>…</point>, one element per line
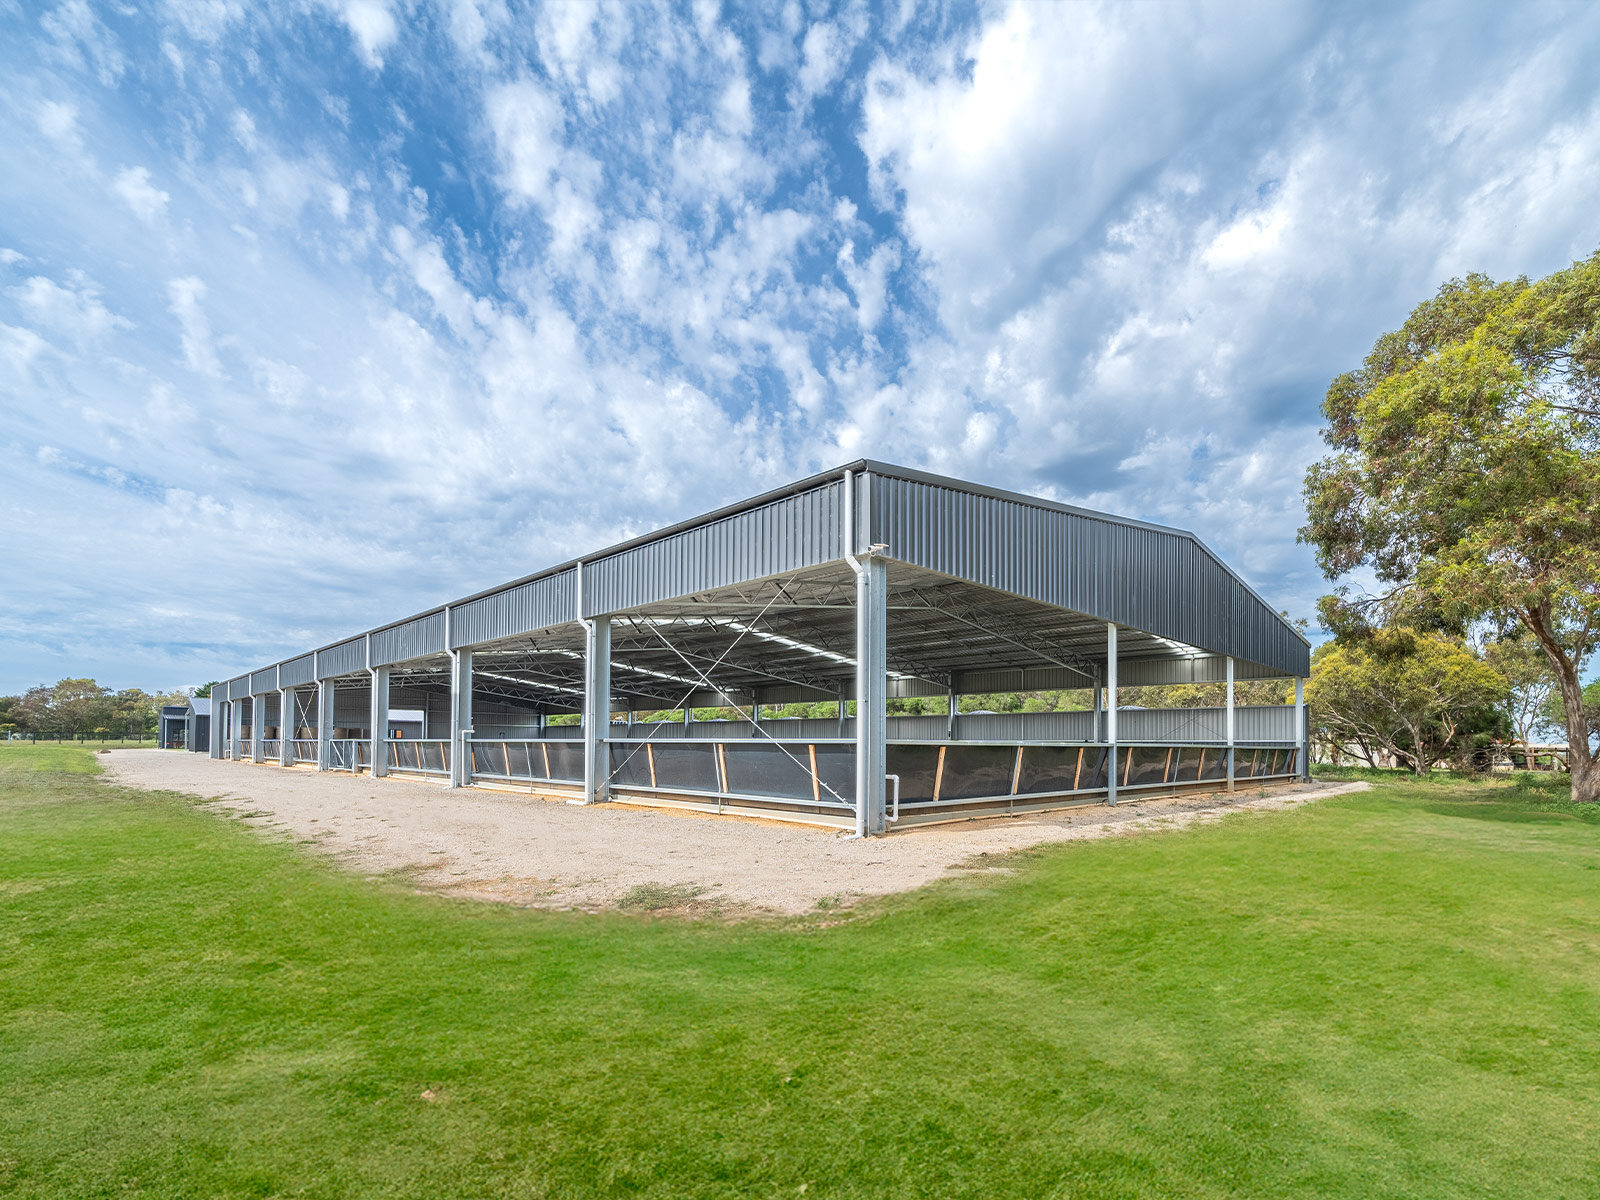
<point>238,689</point>
<point>528,607</point>
<point>296,672</point>
<point>1159,581</point>
<point>263,681</point>
<point>412,639</point>
<point>343,658</point>
<point>1266,723</point>
<point>788,534</point>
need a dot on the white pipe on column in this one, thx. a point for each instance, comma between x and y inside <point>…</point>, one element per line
<point>460,718</point>
<point>1301,741</point>
<point>597,710</point>
<point>1111,713</point>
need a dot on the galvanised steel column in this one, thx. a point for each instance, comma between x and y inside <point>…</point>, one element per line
<point>258,727</point>
<point>286,730</point>
<point>379,755</point>
<point>236,716</point>
<point>1302,735</point>
<point>324,724</point>
<point>1111,713</point>
<point>460,717</point>
<point>950,717</point>
<point>597,710</point>
<point>214,727</point>
<point>1230,723</point>
<point>872,638</point>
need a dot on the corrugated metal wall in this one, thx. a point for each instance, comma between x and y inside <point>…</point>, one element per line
<point>343,658</point>
<point>1164,726</point>
<point>263,681</point>
<point>1160,582</point>
<point>297,671</point>
<point>538,604</point>
<point>412,639</point>
<point>789,534</point>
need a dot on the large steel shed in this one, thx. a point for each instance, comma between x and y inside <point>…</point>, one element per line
<point>864,583</point>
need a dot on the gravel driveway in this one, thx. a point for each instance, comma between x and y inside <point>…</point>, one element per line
<point>526,850</point>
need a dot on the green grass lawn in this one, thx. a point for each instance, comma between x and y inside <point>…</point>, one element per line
<point>1388,994</point>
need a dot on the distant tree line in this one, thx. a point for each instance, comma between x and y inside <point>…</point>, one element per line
<point>81,708</point>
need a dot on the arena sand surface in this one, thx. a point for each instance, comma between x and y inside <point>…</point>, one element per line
<point>523,849</point>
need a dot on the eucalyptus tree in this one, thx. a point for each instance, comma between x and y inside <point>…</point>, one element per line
<point>1465,476</point>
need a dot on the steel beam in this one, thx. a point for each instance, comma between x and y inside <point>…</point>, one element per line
<point>597,710</point>
<point>286,715</point>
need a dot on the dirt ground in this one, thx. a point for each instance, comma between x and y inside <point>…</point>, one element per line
<point>546,853</point>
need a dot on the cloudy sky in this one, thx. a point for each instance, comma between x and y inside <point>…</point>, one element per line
<point>315,313</point>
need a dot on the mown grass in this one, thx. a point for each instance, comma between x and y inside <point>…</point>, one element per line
<point>1390,994</point>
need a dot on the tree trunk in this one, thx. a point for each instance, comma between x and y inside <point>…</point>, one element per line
<point>1581,763</point>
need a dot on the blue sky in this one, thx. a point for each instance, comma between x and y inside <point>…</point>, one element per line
<point>314,314</point>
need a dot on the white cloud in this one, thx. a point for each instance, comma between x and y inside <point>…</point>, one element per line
<point>372,25</point>
<point>58,121</point>
<point>204,20</point>
<point>869,280</point>
<point>1064,107</point>
<point>82,40</point>
<point>75,311</point>
<point>199,355</point>
<point>529,132</point>
<point>823,57</point>
<point>148,202</point>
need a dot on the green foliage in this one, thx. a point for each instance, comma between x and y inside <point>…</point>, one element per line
<point>1466,473</point>
<point>1421,698</point>
<point>83,708</point>
<point>1210,695</point>
<point>1303,1004</point>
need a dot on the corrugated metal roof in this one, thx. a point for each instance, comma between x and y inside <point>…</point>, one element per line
<point>1160,580</point>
